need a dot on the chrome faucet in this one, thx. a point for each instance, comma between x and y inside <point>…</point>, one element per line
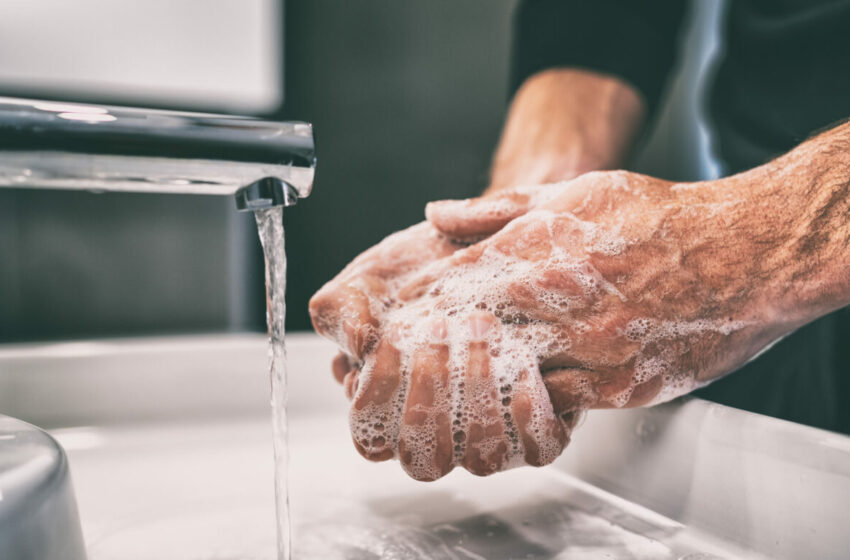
<point>45,144</point>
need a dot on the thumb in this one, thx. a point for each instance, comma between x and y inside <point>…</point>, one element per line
<point>474,218</point>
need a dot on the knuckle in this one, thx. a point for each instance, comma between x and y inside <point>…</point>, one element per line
<point>361,337</point>
<point>324,308</point>
<point>351,383</point>
<point>340,366</point>
<point>375,453</point>
<point>417,463</point>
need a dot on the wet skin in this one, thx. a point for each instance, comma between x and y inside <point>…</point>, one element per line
<point>610,290</point>
<point>479,337</point>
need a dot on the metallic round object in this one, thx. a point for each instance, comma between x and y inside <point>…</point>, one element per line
<point>38,512</point>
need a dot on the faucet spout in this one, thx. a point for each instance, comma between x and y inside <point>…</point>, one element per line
<point>100,148</point>
<point>265,193</point>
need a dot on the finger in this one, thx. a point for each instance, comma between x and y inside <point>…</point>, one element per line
<point>480,436</point>
<point>576,389</point>
<point>426,280</point>
<point>614,387</point>
<point>420,283</point>
<point>351,382</point>
<point>374,412</point>
<point>644,393</point>
<point>425,435</point>
<point>399,255</point>
<point>570,391</point>
<point>340,366</point>
<point>423,244</point>
<point>475,218</point>
<point>542,434</point>
<point>342,312</point>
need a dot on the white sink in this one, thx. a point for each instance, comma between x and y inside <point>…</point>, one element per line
<point>169,442</point>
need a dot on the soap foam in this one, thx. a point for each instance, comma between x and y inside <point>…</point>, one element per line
<point>482,412</point>
<point>485,404</point>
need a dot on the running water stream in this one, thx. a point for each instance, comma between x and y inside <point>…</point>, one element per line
<point>270,227</point>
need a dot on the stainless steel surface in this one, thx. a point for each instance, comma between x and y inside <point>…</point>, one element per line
<point>170,444</point>
<point>100,148</point>
<point>38,512</point>
<point>266,193</point>
<point>763,484</point>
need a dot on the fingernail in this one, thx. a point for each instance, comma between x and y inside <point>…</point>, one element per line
<point>443,206</point>
<point>439,329</point>
<point>478,326</point>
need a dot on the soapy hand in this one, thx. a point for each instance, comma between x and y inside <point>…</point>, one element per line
<point>627,290</point>
<point>437,408</point>
<point>610,290</point>
<point>347,310</point>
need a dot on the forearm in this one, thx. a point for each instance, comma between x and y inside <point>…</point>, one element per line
<point>565,122</point>
<point>818,171</point>
<point>802,212</point>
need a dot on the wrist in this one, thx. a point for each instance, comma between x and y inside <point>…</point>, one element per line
<point>565,122</point>
<point>542,167</point>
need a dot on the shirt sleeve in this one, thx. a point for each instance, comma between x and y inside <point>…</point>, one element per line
<point>634,40</point>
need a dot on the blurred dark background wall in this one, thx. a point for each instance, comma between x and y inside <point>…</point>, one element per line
<point>407,100</point>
